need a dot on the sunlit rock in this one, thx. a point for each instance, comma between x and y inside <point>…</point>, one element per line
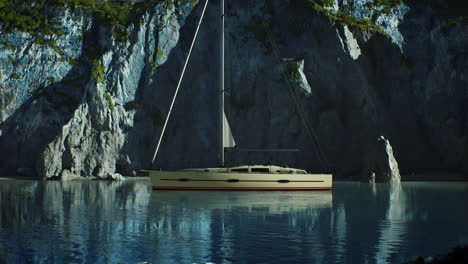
<point>67,175</point>
<point>296,77</point>
<point>114,177</point>
<point>383,165</point>
<point>386,16</point>
<point>349,42</point>
<point>90,143</point>
<point>26,66</point>
<point>372,177</point>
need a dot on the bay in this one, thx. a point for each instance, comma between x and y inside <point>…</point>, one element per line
<point>127,222</point>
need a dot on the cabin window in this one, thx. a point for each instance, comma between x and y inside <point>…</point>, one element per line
<point>184,179</point>
<point>232,180</point>
<point>262,170</point>
<point>240,170</point>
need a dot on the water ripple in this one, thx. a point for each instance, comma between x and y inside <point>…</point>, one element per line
<point>98,222</point>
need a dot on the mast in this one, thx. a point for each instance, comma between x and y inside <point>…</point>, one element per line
<point>221,87</point>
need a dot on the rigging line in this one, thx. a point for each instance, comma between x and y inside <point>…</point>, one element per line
<point>291,90</point>
<point>309,127</point>
<point>309,130</point>
<point>306,126</point>
<point>178,84</point>
<point>296,98</point>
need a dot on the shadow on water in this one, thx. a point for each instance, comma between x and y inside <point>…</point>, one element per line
<point>112,222</point>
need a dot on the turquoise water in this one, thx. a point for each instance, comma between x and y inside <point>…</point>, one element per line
<point>126,222</point>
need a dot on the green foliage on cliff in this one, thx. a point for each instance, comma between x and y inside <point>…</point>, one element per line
<point>50,80</point>
<point>37,17</point>
<point>26,15</point>
<point>14,76</point>
<point>37,93</point>
<point>154,66</point>
<point>7,45</point>
<point>159,53</point>
<point>345,18</point>
<point>455,21</point>
<point>293,69</point>
<point>383,6</point>
<point>447,25</point>
<point>41,20</point>
<point>110,103</point>
<point>98,71</point>
<point>324,7</point>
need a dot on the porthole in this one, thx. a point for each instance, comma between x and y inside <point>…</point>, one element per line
<point>184,179</point>
<point>232,180</point>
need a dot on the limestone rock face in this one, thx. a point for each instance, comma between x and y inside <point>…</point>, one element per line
<point>387,18</point>
<point>293,69</point>
<point>349,42</point>
<point>27,67</point>
<point>383,166</point>
<point>114,177</point>
<point>66,175</point>
<point>103,115</point>
<point>58,117</point>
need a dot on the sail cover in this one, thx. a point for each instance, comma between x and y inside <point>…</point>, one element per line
<point>228,140</point>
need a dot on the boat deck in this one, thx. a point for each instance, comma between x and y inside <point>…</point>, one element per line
<point>241,178</point>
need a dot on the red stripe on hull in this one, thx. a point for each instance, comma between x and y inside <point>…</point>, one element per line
<point>237,189</point>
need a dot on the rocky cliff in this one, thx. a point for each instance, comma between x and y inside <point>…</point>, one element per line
<point>353,71</point>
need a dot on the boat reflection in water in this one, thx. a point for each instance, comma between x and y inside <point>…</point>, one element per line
<point>243,226</point>
<point>274,202</point>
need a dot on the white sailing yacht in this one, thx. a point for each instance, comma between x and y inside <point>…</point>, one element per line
<point>239,178</point>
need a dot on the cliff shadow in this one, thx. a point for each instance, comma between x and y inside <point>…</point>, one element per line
<point>436,57</point>
<point>40,119</point>
<point>190,133</point>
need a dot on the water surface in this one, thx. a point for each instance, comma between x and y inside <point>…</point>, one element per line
<point>125,222</point>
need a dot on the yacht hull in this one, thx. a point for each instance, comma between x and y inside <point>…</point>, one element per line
<point>231,181</point>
